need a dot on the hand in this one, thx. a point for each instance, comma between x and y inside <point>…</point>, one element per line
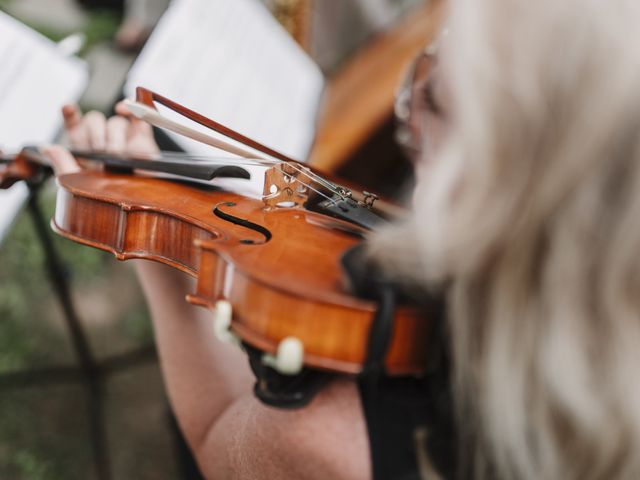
<point>121,134</point>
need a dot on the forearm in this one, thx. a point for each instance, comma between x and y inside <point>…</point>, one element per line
<point>203,376</point>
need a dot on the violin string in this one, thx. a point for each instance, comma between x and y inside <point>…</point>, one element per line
<point>10,158</point>
<point>174,156</point>
<point>236,161</point>
<point>204,158</point>
<point>262,162</point>
<point>251,162</point>
<point>313,189</point>
<point>317,178</point>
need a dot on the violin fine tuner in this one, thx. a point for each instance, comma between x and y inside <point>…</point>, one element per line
<point>369,199</point>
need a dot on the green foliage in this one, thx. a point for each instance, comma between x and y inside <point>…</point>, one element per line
<point>43,434</point>
<point>28,336</point>
<point>25,293</point>
<point>32,467</point>
<point>100,27</point>
<point>43,429</point>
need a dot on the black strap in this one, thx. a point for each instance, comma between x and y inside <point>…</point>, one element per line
<point>380,332</point>
<point>284,391</point>
<point>387,408</point>
<point>402,411</point>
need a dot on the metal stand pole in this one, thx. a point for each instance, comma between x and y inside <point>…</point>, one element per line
<point>92,375</point>
<point>88,370</point>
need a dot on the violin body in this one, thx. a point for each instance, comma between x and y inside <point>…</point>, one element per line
<point>278,267</point>
<point>275,261</point>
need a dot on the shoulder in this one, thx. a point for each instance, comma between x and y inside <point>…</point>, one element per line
<point>327,439</point>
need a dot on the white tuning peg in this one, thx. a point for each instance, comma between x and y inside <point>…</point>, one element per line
<point>289,357</point>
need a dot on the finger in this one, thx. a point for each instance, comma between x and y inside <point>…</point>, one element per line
<point>72,116</point>
<point>138,127</point>
<point>141,142</point>
<point>122,109</point>
<point>75,131</point>
<point>96,125</point>
<point>61,160</point>
<point>117,134</point>
<point>140,136</point>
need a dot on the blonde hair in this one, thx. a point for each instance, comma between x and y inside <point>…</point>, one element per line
<point>530,214</point>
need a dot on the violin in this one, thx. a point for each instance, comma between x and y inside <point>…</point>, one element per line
<point>269,268</point>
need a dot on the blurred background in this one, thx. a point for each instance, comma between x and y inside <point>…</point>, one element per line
<point>45,426</point>
<point>45,419</point>
<point>56,420</point>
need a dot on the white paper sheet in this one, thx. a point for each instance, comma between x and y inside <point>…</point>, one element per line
<point>232,62</point>
<point>35,81</point>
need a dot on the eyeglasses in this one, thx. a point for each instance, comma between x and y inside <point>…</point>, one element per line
<point>414,99</point>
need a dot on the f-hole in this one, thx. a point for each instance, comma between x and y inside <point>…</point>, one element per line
<point>242,222</point>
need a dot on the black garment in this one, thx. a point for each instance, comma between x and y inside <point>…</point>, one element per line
<point>410,423</point>
<point>409,420</point>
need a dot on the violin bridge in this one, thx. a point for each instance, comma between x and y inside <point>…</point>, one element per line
<point>283,186</point>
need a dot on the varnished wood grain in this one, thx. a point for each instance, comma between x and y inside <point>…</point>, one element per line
<point>291,285</point>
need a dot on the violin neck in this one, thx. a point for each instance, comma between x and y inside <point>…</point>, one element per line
<point>186,168</point>
<point>190,169</point>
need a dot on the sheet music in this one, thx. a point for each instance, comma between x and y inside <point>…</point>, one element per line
<point>234,63</point>
<point>35,81</point>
